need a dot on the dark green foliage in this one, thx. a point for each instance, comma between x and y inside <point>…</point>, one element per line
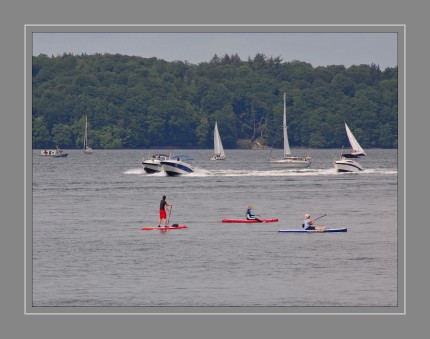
<point>134,102</point>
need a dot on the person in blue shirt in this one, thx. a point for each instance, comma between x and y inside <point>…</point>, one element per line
<point>250,215</point>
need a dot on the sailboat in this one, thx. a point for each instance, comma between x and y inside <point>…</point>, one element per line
<point>219,153</point>
<point>347,162</point>
<point>289,161</point>
<point>86,149</point>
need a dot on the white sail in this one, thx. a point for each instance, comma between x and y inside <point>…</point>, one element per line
<point>356,148</point>
<point>287,150</point>
<point>218,149</point>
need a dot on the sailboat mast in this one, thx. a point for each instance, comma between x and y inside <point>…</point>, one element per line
<point>86,132</point>
<point>287,150</point>
<point>284,121</point>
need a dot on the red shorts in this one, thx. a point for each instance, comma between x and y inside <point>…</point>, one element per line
<point>162,214</point>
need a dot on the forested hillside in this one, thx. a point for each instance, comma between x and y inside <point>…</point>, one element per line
<point>134,102</point>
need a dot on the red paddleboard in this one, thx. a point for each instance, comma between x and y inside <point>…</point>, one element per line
<point>245,221</point>
<point>162,228</point>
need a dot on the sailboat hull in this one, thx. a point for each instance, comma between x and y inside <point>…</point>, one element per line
<point>218,157</point>
<point>290,163</point>
<point>88,150</point>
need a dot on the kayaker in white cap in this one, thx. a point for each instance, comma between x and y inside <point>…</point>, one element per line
<point>308,224</point>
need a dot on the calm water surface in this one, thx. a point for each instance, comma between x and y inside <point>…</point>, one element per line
<point>88,249</point>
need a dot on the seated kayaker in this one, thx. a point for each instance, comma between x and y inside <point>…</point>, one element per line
<point>250,215</point>
<point>308,224</point>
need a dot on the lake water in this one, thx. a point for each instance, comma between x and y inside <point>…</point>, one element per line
<point>88,249</point>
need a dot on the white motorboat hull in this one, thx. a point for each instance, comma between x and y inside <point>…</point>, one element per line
<point>176,167</point>
<point>152,166</point>
<point>55,153</point>
<point>153,163</point>
<point>348,165</point>
<point>290,163</point>
<point>62,155</point>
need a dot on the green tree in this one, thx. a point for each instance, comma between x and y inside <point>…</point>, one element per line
<point>40,134</point>
<point>134,102</point>
<point>62,136</point>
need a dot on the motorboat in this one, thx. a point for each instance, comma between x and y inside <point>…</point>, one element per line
<point>53,153</point>
<point>289,161</point>
<point>153,163</point>
<point>347,162</point>
<point>177,165</point>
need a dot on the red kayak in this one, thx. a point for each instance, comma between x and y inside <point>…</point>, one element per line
<point>162,228</point>
<point>245,221</point>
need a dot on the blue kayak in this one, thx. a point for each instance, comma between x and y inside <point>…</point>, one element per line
<point>327,230</point>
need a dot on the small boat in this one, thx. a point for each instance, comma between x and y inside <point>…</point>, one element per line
<point>248,221</point>
<point>289,161</point>
<point>326,230</point>
<point>153,163</point>
<point>177,165</point>
<point>87,149</point>
<point>53,153</point>
<point>219,153</point>
<point>347,162</point>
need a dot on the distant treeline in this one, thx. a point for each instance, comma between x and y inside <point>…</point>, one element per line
<point>135,102</point>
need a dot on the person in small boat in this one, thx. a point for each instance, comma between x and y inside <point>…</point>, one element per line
<point>250,215</point>
<point>164,207</point>
<point>308,224</point>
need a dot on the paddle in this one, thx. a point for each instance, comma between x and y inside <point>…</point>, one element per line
<point>319,228</point>
<point>170,211</point>
<point>320,217</point>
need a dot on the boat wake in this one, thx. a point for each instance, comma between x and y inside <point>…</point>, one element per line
<point>283,173</point>
<point>201,172</point>
<point>141,171</point>
<point>135,171</point>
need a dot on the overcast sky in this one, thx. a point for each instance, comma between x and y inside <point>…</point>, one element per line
<point>318,49</point>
